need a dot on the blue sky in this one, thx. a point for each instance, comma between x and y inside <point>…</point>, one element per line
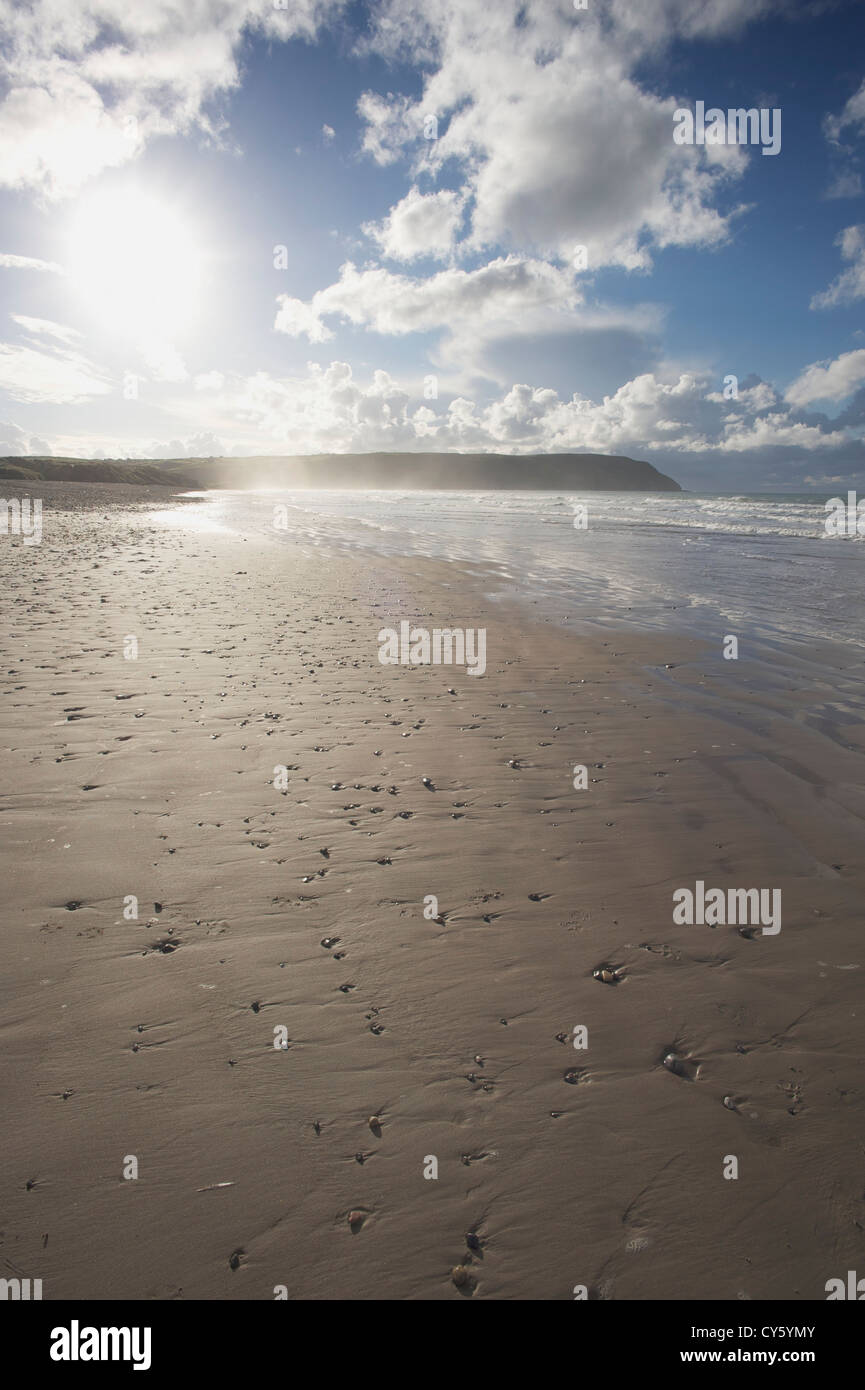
<point>430,293</point>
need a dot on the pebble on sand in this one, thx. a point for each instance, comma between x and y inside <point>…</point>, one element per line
<point>460,1275</point>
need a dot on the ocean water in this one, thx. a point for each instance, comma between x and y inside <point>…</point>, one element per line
<point>703,564</point>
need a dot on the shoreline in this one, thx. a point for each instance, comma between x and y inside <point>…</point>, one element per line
<point>162,785</point>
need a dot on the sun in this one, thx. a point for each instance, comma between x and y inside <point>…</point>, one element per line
<point>137,262</point>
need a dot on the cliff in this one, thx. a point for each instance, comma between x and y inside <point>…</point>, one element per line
<point>488,472</point>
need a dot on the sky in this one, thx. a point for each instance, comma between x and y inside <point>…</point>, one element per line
<point>258,227</point>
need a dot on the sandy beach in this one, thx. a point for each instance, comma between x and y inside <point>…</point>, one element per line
<point>289,906</point>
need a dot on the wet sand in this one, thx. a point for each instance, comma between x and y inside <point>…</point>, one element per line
<point>301,907</point>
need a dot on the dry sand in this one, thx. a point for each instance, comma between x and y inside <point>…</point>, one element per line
<point>155,1038</point>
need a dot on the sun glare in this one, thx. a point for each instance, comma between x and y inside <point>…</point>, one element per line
<point>136,262</point>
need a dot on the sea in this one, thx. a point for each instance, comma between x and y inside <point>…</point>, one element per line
<point>702,564</point>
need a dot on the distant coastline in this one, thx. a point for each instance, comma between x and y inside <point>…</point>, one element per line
<point>447,472</point>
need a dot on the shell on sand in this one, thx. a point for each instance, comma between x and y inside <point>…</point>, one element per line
<point>374,1122</point>
<point>460,1275</point>
<point>356,1218</point>
<point>606,975</point>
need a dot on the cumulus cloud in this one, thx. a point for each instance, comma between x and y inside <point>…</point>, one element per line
<point>16,442</point>
<point>510,295</point>
<point>300,320</point>
<point>421,224</point>
<point>777,431</point>
<point>326,410</point>
<point>558,143</point>
<point>680,422</point>
<point>87,86</point>
<point>204,444</point>
<point>509,300</point>
<point>330,410</point>
<point>829,381</point>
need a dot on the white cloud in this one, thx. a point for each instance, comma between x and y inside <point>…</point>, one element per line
<point>298,319</point>
<point>17,443</point>
<point>845,185</point>
<point>421,224</point>
<point>329,410</point>
<point>675,422</point>
<point>558,144</point>
<point>88,85</point>
<point>852,114</point>
<point>164,361</point>
<point>778,431</point>
<point>205,444</point>
<point>59,378</point>
<point>846,181</point>
<point>469,311</point>
<point>752,398</point>
<point>509,294</point>
<point>28,263</point>
<point>326,410</point>
<point>209,381</point>
<point>38,328</point>
<point>829,381</point>
<point>328,132</point>
<point>850,284</point>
